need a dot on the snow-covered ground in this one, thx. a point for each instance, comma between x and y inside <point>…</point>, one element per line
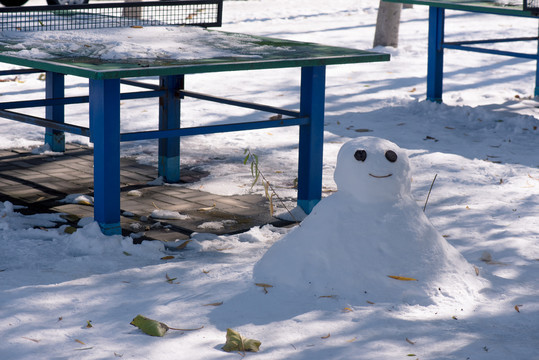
<point>481,143</point>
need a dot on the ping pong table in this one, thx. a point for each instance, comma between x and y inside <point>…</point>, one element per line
<point>106,76</point>
<point>437,44</point>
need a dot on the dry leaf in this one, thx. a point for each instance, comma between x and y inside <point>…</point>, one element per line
<point>347,309</point>
<point>326,337</point>
<point>351,340</point>
<point>80,342</point>
<point>517,308</point>
<point>401,278</point>
<point>167,257</point>
<point>214,304</point>
<point>183,245</point>
<point>410,341</point>
<point>136,27</point>
<point>328,296</point>
<point>236,342</point>
<point>476,270</point>
<point>454,317</point>
<point>276,117</point>
<point>206,271</point>
<point>89,324</point>
<point>370,302</point>
<point>27,338</point>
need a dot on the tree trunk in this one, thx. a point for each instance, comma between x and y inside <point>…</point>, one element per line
<point>387,24</point>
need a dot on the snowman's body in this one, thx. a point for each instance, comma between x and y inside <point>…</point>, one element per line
<point>369,230</point>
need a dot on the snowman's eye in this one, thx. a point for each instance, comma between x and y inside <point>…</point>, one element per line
<point>360,155</point>
<point>391,156</point>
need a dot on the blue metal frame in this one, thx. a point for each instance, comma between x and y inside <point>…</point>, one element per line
<point>54,89</point>
<point>169,119</point>
<point>311,137</point>
<point>436,46</point>
<point>104,131</point>
<point>105,135</point>
<point>435,65</point>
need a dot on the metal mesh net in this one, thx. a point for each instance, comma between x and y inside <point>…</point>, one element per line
<point>93,16</point>
<point>531,5</point>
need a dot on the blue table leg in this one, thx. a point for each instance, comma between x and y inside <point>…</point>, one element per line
<point>536,90</point>
<point>311,137</point>
<point>435,67</point>
<point>105,135</point>
<point>54,88</point>
<point>169,118</point>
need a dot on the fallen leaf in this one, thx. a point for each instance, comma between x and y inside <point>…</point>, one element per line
<point>411,355</point>
<point>327,296</point>
<point>60,318</point>
<point>347,309</point>
<point>70,229</point>
<point>276,117</point>
<point>206,271</point>
<point>476,270</point>
<point>370,302</point>
<point>363,130</point>
<point>170,280</point>
<point>454,317</point>
<point>351,340</point>
<point>126,253</point>
<point>80,342</point>
<point>89,324</point>
<point>154,327</point>
<point>265,286</point>
<point>214,304</point>
<point>136,27</point>
<point>169,257</point>
<point>326,337</point>
<point>401,278</point>
<point>27,338</point>
<point>410,341</point>
<point>236,342</point>
<point>413,90</point>
<point>149,326</point>
<point>517,308</point>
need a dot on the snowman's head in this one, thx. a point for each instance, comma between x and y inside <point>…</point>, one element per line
<point>373,169</point>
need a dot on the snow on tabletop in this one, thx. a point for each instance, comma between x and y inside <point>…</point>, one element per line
<point>154,42</point>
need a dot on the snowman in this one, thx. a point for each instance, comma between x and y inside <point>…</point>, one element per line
<point>370,241</point>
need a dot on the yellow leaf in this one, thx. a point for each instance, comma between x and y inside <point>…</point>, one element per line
<point>326,337</point>
<point>206,271</point>
<point>167,257</point>
<point>454,317</point>
<point>401,278</point>
<point>517,308</point>
<point>347,309</point>
<point>264,285</point>
<point>183,245</point>
<point>80,342</point>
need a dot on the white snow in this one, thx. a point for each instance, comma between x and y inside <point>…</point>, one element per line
<point>481,143</point>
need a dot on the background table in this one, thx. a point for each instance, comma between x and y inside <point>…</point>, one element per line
<point>437,44</point>
<point>104,98</point>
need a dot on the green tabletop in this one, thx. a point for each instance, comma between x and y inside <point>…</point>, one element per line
<point>276,53</point>
<point>489,7</point>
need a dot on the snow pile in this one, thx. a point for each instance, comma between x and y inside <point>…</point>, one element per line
<point>370,241</point>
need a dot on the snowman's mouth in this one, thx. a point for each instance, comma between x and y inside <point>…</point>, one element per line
<point>380,176</point>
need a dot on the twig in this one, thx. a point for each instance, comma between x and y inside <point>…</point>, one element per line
<point>255,171</point>
<point>428,195</point>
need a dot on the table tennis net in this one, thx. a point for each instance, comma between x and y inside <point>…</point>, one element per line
<point>205,13</point>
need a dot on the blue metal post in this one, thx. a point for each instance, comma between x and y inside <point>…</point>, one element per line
<point>435,67</point>
<point>311,137</point>
<point>169,118</point>
<point>536,90</point>
<point>54,88</point>
<point>105,134</point>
